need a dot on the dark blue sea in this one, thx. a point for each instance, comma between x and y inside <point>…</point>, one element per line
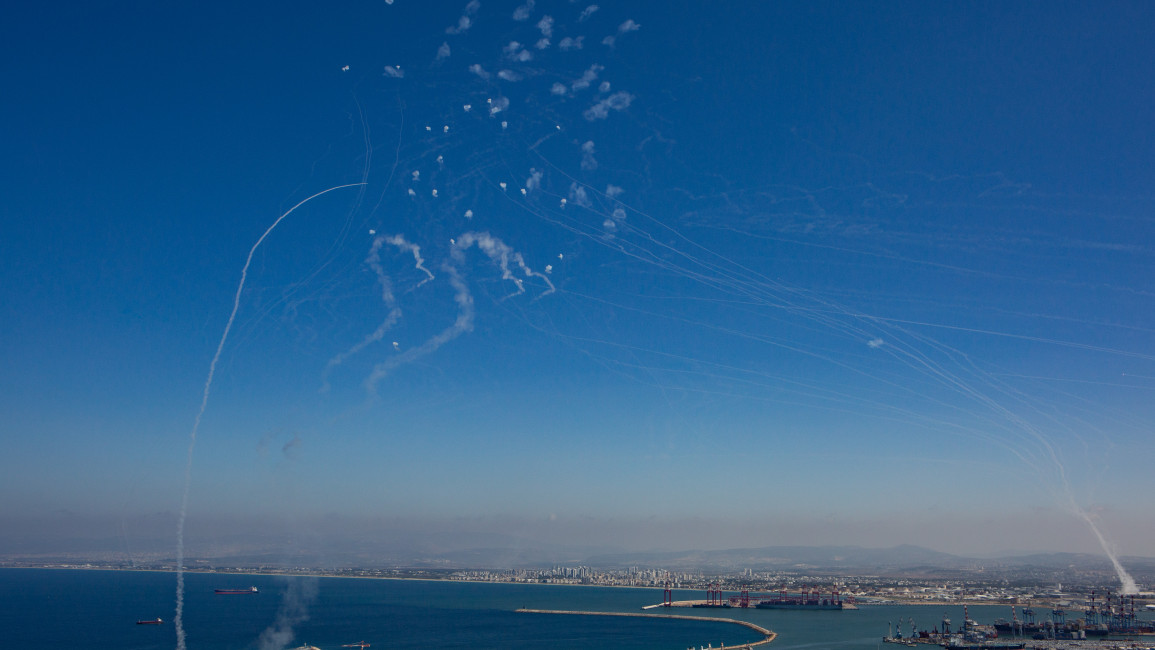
<point>47,608</point>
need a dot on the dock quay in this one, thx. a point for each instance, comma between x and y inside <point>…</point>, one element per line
<point>768,635</point>
<point>678,603</point>
<point>1087,644</point>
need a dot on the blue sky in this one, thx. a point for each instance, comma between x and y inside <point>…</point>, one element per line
<point>787,273</point>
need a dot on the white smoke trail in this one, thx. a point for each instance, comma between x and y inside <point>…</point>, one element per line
<point>374,262</point>
<point>1128,586</point>
<point>502,254</point>
<point>178,618</point>
<point>399,242</point>
<point>497,251</point>
<point>462,324</point>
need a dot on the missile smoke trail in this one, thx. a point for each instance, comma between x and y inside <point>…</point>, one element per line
<point>1128,584</point>
<point>178,618</point>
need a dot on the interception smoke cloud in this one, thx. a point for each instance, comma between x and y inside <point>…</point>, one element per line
<point>178,618</point>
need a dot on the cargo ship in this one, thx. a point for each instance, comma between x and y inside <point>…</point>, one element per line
<point>151,621</point>
<point>250,590</point>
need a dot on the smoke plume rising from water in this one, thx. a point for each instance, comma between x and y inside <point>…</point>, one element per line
<point>294,610</point>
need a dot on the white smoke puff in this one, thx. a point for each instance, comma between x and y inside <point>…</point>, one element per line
<point>542,44</point>
<point>469,214</point>
<point>388,2</point>
<point>411,192</point>
<point>628,26</point>
<point>372,231</point>
<point>558,88</point>
<point>394,71</point>
<point>516,52</point>
<point>619,214</point>
<point>549,268</point>
<point>566,44</point>
<point>546,26</point>
<point>577,194</point>
<point>523,12</point>
<point>875,343</point>
<point>503,185</point>
<point>609,225</point>
<point>498,106</point>
<point>443,51</point>
<point>586,13</point>
<point>588,77</point>
<point>417,175</point>
<point>345,68</point>
<point>462,26</point>
<point>479,71</point>
<point>618,101</point>
<point>534,180</point>
<point>434,193</point>
<point>508,75</point>
<point>609,40</point>
<point>589,163</point>
<point>604,87</point>
<point>613,190</point>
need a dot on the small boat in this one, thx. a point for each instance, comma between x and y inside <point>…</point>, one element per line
<point>151,621</point>
<point>250,590</point>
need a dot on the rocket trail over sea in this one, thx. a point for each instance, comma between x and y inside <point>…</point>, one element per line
<point>178,618</point>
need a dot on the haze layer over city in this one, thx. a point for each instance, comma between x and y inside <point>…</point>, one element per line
<point>430,277</point>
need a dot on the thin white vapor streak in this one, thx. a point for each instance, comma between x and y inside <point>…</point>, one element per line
<point>178,618</point>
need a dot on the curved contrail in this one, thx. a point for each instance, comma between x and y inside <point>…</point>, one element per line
<point>178,618</point>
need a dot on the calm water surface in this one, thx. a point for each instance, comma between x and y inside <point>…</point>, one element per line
<point>46,608</point>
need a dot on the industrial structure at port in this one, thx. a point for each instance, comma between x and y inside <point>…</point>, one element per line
<point>804,599</point>
<point>1109,617</point>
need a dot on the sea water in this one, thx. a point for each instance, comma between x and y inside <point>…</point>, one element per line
<point>50,608</point>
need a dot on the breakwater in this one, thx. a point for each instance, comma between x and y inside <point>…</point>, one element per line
<point>767,635</point>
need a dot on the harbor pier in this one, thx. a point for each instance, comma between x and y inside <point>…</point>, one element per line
<point>767,635</point>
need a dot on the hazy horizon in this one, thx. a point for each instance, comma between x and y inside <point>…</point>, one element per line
<point>624,275</point>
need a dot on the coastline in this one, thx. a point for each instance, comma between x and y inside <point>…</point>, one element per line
<point>768,636</point>
<point>864,602</point>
